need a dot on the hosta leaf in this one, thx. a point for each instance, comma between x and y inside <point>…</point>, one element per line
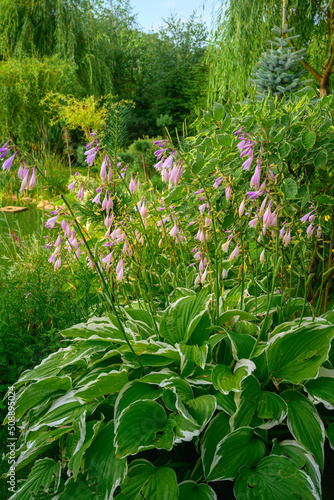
<point>321,390</point>
<point>146,481</point>
<point>275,477</point>
<point>321,159</point>
<point>238,448</point>
<point>234,314</point>
<point>218,428</point>
<point>226,402</point>
<point>78,489</point>
<point>106,383</point>
<point>257,408</point>
<point>195,354</point>
<point>138,428</point>
<point>40,390</point>
<point>242,344</point>
<point>181,318</point>
<point>43,473</point>
<point>225,381</point>
<point>296,354</point>
<point>102,464</point>
<point>133,392</point>
<point>289,188</point>
<point>193,416</point>
<point>305,424</point>
<point>189,490</point>
<point>151,353</point>
<point>308,139</point>
<point>302,460</point>
<point>330,435</point>
<point>97,328</point>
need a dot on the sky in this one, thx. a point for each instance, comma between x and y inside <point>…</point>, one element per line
<point>151,12</point>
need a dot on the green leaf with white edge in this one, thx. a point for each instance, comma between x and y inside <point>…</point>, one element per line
<point>226,123</point>
<point>181,318</point>
<point>37,443</point>
<point>42,475</point>
<point>224,140</point>
<point>324,199</point>
<point>92,428</point>
<point>330,435</point>
<point>193,416</point>
<point>295,355</point>
<point>289,188</point>
<point>106,383</point>
<point>305,424</point>
<point>132,393</point>
<point>284,149</point>
<point>302,460</point>
<point>321,390</point>
<point>321,159</point>
<point>102,464</point>
<point>150,352</point>
<point>189,490</point>
<point>78,488</point>
<point>246,327</point>
<point>40,390</point>
<point>275,477</point>
<point>97,328</point>
<point>257,408</point>
<point>242,345</point>
<point>64,410</point>
<point>217,429</point>
<point>241,447</point>
<point>146,481</point>
<point>234,314</point>
<point>138,428</point>
<point>218,111</point>
<point>225,381</point>
<point>226,402</point>
<point>195,354</point>
<point>308,139</point>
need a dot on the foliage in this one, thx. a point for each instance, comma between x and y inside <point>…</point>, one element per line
<point>242,29</point>
<point>213,360</point>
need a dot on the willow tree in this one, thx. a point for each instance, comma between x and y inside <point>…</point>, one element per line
<point>241,34</point>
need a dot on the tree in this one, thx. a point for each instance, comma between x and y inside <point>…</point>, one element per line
<point>242,31</point>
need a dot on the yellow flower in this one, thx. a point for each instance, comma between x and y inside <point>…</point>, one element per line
<point>289,266</point>
<point>327,217</point>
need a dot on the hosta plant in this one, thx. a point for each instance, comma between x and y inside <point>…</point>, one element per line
<point>195,402</point>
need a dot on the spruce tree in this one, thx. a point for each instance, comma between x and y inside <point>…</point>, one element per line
<point>276,70</point>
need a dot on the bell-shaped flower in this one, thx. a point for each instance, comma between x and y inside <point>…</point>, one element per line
<point>200,235</point>
<point>97,199</point>
<point>235,253</point>
<point>25,181</point>
<point>72,185</point>
<point>103,172</point>
<point>306,217</point>
<point>262,257</point>
<point>174,231</point>
<point>253,222</point>
<point>215,184</point>
<point>120,270</point>
<point>228,192</point>
<point>57,264</point>
<point>50,223</point>
<point>287,237</point>
<point>8,163</point>
<point>263,206</point>
<point>242,207</point>
<point>247,164</point>
<point>224,274</point>
<point>319,232</point>
<point>253,195</point>
<point>256,178</point>
<point>32,181</point>
<point>132,185</point>
<point>81,192</point>
<point>309,230</point>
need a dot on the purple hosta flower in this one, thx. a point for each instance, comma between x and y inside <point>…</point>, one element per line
<point>8,163</point>
<point>68,231</point>
<point>198,254</point>
<point>97,199</point>
<point>158,166</point>
<point>309,230</point>
<point>200,235</point>
<point>238,132</point>
<point>228,192</point>
<point>103,172</point>
<point>160,152</point>
<point>319,232</point>
<point>235,253</point>
<point>142,209</point>
<point>81,192</point>
<point>305,217</point>
<point>227,243</point>
<point>109,179</point>
<point>262,257</point>
<point>167,164</point>
<point>281,232</point>
<point>248,151</point>
<point>247,164</point>
<point>77,253</point>
<point>22,172</point>
<point>91,153</point>
<point>253,222</point>
<point>242,208</point>
<point>93,133</point>
<point>311,218</point>
<point>207,221</point>
<point>201,277</point>
<point>105,201</point>
<point>225,274</point>
<point>253,195</point>
<point>63,224</point>
<point>174,231</point>
<point>138,184</point>
<point>4,150</point>
<point>256,179</point>
<point>25,180</point>
<point>175,174</point>
<point>241,144</point>
<point>90,144</point>
<point>161,142</point>
<point>271,174</point>
<point>200,191</point>
<point>58,241</point>
<point>89,262</point>
<point>108,220</point>
<point>123,171</point>
<point>50,223</point>
<point>160,243</point>
<point>202,207</point>
<point>48,246</point>
<point>263,206</point>
<point>120,270</point>
<point>72,185</point>
<point>201,266</point>
<point>32,181</point>
<point>287,237</point>
<point>267,214</point>
<point>52,258</point>
<point>57,264</point>
<point>217,182</point>
<point>132,185</point>
<point>107,259</point>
